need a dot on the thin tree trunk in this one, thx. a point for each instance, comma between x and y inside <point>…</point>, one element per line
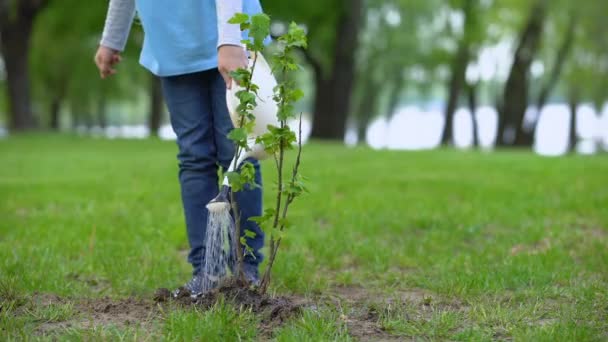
<point>16,22</point>
<point>515,100</point>
<point>502,123</point>
<point>395,94</point>
<point>457,81</point>
<point>558,66</point>
<point>15,49</point>
<point>102,115</point>
<point>156,106</point>
<point>458,75</point>
<point>573,104</point>
<point>366,109</point>
<point>472,100</point>
<point>88,117</point>
<point>54,113</point>
<point>333,92</point>
<point>546,90</point>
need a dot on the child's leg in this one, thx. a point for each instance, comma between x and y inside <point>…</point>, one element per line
<point>188,99</point>
<point>250,200</point>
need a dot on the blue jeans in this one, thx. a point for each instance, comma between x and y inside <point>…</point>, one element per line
<point>200,118</point>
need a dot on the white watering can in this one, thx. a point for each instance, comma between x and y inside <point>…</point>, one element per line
<point>265,114</point>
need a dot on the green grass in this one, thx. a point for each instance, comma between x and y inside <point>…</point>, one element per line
<point>510,245</point>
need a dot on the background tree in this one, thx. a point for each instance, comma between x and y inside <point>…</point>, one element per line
<point>467,43</point>
<point>16,24</point>
<point>516,92</point>
<point>333,31</point>
<point>390,45</point>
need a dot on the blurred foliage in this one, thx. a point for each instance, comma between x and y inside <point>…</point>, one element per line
<point>62,61</point>
<point>405,47</point>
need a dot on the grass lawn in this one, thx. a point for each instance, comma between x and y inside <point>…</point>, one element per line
<point>437,245</point>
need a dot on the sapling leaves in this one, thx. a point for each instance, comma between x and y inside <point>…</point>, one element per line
<point>250,234</point>
<point>267,216</point>
<point>259,30</point>
<point>239,18</point>
<point>239,136</point>
<point>279,138</point>
<point>245,176</point>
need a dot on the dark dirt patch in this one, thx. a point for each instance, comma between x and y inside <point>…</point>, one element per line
<point>124,312</point>
<point>361,295</point>
<point>274,311</point>
<point>94,312</point>
<point>360,308</point>
<point>364,326</point>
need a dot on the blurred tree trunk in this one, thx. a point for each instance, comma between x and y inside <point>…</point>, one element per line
<point>366,108</point>
<point>573,100</point>
<point>558,66</point>
<point>459,68</point>
<point>74,117</point>
<point>395,94</point>
<point>89,119</point>
<point>472,100</point>
<point>333,89</point>
<point>16,22</point>
<point>156,106</point>
<point>502,122</point>
<point>458,73</point>
<point>556,71</point>
<point>55,110</point>
<point>102,115</point>
<point>515,101</point>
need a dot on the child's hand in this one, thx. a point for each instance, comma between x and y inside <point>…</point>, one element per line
<point>230,58</point>
<point>105,59</point>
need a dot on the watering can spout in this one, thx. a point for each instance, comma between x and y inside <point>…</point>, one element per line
<point>220,202</point>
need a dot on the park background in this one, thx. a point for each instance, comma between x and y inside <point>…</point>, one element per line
<point>422,220</point>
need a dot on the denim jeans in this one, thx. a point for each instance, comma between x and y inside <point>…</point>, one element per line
<point>200,119</point>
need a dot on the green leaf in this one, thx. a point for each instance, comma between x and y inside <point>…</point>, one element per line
<point>247,172</point>
<point>245,96</point>
<point>241,75</point>
<point>259,30</point>
<point>249,126</point>
<point>267,216</point>
<point>295,37</point>
<point>250,234</point>
<point>239,18</point>
<point>285,112</point>
<point>234,179</point>
<point>238,135</point>
<point>297,94</point>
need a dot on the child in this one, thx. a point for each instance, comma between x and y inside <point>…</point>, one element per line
<point>192,48</point>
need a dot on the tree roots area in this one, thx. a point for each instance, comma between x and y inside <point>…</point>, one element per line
<point>354,310</point>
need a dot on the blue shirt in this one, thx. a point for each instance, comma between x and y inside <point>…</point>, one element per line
<point>180,36</point>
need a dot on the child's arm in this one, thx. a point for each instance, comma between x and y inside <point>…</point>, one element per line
<point>115,33</point>
<point>228,34</point>
<point>118,24</point>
